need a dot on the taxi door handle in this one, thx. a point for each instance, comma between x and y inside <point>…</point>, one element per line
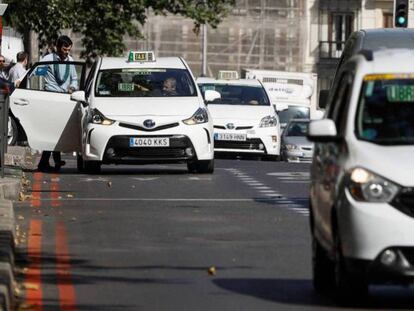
<point>21,102</point>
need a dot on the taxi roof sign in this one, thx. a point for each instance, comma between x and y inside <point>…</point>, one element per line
<point>228,75</point>
<point>141,56</point>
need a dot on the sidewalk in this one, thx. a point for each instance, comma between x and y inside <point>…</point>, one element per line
<point>17,159</point>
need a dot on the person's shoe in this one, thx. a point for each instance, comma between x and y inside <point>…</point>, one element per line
<point>45,168</point>
<point>59,165</point>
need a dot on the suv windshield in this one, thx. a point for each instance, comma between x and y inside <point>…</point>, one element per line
<point>144,83</point>
<point>386,110</point>
<point>297,129</point>
<point>237,94</point>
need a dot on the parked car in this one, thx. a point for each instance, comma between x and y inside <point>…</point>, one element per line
<point>362,177</point>
<point>295,145</point>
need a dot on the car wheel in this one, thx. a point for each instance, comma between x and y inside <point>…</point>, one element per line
<point>79,162</point>
<point>350,288</point>
<point>92,167</point>
<point>202,167</point>
<point>12,132</point>
<point>322,268</point>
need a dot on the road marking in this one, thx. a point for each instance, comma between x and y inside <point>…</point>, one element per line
<point>145,178</point>
<point>54,191</point>
<point>36,189</point>
<point>67,297</point>
<point>166,199</point>
<point>34,276</point>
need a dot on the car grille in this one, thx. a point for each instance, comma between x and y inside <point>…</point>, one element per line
<point>123,153</point>
<point>249,144</point>
<point>221,127</point>
<point>404,201</point>
<point>144,129</point>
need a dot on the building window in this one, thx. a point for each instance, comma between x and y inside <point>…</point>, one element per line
<point>336,27</point>
<point>387,19</point>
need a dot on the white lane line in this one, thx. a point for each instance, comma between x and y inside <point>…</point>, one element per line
<point>167,199</point>
<point>262,188</point>
<point>255,184</point>
<point>297,182</point>
<point>267,191</point>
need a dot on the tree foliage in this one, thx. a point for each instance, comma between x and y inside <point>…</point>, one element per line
<point>104,23</point>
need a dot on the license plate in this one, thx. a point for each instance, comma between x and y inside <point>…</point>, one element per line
<point>230,136</point>
<point>149,142</point>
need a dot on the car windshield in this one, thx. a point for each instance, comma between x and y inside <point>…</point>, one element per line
<point>144,83</point>
<point>237,94</point>
<point>386,110</point>
<point>293,112</point>
<point>297,129</point>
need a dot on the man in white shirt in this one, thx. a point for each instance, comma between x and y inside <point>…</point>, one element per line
<point>18,71</point>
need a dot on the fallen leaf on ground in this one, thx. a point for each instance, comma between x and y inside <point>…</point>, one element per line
<point>212,270</point>
<point>73,218</point>
<point>20,217</point>
<point>31,286</point>
<point>109,183</point>
<point>70,195</point>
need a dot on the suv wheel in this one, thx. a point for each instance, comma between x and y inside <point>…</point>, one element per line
<point>92,167</point>
<point>350,287</point>
<point>322,268</point>
<point>202,167</point>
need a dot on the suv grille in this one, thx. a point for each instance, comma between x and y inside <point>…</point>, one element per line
<point>249,144</point>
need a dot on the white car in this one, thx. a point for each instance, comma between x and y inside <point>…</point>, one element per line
<point>362,176</point>
<point>245,121</point>
<point>128,111</point>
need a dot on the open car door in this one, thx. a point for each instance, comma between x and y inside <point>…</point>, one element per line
<point>43,106</point>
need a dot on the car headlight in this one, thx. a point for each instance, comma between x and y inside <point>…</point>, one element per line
<point>199,117</point>
<point>291,147</point>
<point>268,121</point>
<point>98,118</point>
<point>368,187</point>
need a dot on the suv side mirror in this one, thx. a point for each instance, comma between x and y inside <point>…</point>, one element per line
<point>323,131</point>
<point>211,95</point>
<point>79,96</point>
<point>323,99</point>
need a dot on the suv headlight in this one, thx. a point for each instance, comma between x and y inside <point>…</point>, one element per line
<point>369,187</point>
<point>199,117</point>
<point>268,121</point>
<point>98,118</point>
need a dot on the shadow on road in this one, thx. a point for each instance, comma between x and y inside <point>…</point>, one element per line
<point>300,292</point>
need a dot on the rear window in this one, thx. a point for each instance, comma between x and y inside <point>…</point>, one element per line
<point>159,82</point>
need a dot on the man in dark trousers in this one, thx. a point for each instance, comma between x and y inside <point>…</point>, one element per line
<point>60,78</point>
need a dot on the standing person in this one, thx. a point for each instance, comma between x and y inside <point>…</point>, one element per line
<point>18,71</point>
<point>3,69</point>
<point>59,78</point>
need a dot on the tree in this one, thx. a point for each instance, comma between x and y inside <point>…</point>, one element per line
<point>104,23</point>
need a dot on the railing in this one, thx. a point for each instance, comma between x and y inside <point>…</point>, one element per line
<point>330,49</point>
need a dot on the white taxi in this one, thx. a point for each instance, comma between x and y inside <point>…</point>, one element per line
<point>130,110</point>
<point>245,120</point>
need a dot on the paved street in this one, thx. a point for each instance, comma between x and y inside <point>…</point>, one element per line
<point>157,238</point>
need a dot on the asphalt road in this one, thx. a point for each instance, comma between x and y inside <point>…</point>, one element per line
<point>157,238</point>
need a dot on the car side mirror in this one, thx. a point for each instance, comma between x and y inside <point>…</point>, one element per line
<point>323,99</point>
<point>279,106</point>
<point>211,95</point>
<point>79,96</point>
<point>323,131</point>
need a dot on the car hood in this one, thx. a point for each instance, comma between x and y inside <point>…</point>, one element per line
<point>297,140</point>
<point>238,114</point>
<point>392,162</point>
<point>124,108</point>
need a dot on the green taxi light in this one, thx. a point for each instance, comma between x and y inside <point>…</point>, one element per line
<point>141,56</point>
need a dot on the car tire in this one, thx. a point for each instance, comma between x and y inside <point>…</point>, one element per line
<point>201,167</point>
<point>12,132</point>
<point>351,288</point>
<point>79,162</point>
<point>322,268</point>
<point>92,167</point>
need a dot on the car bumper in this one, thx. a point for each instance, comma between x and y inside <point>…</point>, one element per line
<point>368,230</point>
<point>110,144</point>
<point>264,141</point>
<point>297,156</point>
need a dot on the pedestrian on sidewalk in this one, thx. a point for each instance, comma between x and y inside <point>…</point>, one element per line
<point>18,71</point>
